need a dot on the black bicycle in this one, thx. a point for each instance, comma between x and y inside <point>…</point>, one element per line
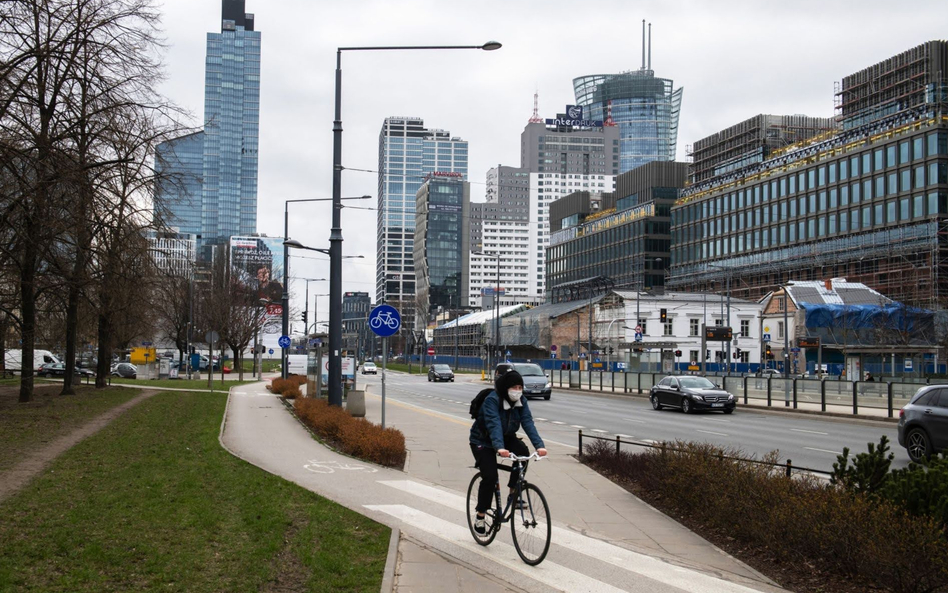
<point>530,523</point>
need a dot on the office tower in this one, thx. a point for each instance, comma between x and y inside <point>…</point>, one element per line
<point>442,245</point>
<point>407,153</point>
<point>866,202</point>
<point>231,126</point>
<point>645,108</point>
<point>357,338</point>
<point>179,168</point>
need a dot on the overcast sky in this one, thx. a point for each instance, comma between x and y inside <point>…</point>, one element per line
<point>734,59</point>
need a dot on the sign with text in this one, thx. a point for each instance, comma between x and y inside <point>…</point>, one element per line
<point>809,342</point>
<point>718,333</point>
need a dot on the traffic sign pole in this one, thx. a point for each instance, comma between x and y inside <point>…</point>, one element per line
<point>384,321</point>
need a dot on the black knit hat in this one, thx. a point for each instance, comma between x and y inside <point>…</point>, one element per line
<point>506,381</point>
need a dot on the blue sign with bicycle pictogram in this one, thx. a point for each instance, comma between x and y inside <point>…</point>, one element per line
<point>385,320</point>
<point>284,342</point>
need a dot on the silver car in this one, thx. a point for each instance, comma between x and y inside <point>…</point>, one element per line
<point>923,422</point>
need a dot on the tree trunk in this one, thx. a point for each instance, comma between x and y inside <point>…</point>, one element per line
<point>72,333</point>
<point>28,314</point>
<point>238,364</point>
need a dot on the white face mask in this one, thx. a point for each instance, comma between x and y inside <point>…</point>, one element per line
<point>514,394</point>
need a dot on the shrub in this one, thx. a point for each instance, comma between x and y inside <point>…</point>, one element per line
<point>277,386</point>
<point>852,535</point>
<point>921,491</point>
<point>297,380</point>
<point>869,471</point>
<point>353,436</point>
<point>292,393</point>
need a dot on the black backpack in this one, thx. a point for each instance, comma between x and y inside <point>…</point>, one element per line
<point>478,401</point>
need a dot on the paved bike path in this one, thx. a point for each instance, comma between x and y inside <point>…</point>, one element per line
<point>603,542</point>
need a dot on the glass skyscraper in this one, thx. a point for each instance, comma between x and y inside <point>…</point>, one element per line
<point>645,108</point>
<point>408,152</point>
<point>231,125</point>
<point>179,165</point>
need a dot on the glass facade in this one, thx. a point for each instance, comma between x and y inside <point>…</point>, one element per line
<point>439,243</point>
<point>408,152</point>
<point>645,108</point>
<point>179,166</point>
<point>231,127</point>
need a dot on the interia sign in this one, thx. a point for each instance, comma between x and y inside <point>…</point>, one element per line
<point>574,117</point>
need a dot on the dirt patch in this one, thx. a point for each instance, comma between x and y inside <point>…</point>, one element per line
<point>292,575</point>
<point>36,458</point>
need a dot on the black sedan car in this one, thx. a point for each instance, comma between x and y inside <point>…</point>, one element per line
<point>440,372</point>
<point>58,369</point>
<point>691,394</point>
<point>923,423</point>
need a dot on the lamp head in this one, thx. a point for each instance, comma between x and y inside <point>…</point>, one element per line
<point>292,243</point>
<point>491,46</point>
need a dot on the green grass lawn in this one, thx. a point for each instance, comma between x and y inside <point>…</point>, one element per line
<point>153,503</point>
<point>182,383</point>
<point>23,427</point>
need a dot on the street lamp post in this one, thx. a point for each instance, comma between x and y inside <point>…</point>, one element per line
<point>496,301</point>
<point>727,322</point>
<point>285,301</point>
<point>335,233</point>
<point>306,306</point>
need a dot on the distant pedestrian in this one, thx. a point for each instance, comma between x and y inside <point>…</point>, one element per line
<point>869,377</point>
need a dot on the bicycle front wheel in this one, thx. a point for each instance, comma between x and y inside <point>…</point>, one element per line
<point>531,527</point>
<point>490,529</point>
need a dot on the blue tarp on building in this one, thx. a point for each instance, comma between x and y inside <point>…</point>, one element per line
<point>892,323</point>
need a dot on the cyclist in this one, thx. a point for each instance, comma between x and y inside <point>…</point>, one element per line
<point>494,432</point>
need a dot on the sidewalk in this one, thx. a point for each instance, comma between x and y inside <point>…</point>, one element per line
<point>604,538</point>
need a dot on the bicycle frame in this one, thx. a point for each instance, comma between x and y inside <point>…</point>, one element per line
<point>520,465</point>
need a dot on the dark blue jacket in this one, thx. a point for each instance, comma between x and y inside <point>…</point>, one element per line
<point>493,423</point>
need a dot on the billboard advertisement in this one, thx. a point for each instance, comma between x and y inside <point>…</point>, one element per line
<point>258,263</point>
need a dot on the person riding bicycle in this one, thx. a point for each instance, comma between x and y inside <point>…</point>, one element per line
<point>494,432</point>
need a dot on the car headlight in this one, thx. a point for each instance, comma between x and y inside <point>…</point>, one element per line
<point>730,396</point>
<point>549,385</point>
<point>700,398</point>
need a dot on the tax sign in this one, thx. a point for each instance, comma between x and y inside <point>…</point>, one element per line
<point>385,320</point>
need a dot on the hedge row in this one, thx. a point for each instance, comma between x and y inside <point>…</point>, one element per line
<point>289,387</point>
<point>803,520</point>
<point>354,436</point>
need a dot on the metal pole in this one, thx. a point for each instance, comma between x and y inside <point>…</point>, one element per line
<point>190,321</point>
<point>335,250</point>
<point>497,307</point>
<point>286,288</point>
<point>384,366</point>
<point>306,312</point>
<point>729,320</point>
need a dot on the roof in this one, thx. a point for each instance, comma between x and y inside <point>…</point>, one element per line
<point>552,310</point>
<point>692,297</point>
<point>836,291</point>
<point>479,317</point>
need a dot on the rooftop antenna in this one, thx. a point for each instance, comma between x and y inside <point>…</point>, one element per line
<point>650,46</point>
<point>643,44</point>
<point>536,112</point>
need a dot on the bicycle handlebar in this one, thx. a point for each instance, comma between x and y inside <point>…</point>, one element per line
<point>534,455</point>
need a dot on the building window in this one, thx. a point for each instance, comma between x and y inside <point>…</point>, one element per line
<point>693,356</point>
<point>668,328</point>
<point>780,328</point>
<point>694,327</point>
<point>745,328</point>
<point>643,326</point>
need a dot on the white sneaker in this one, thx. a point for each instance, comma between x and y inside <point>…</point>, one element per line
<point>480,526</point>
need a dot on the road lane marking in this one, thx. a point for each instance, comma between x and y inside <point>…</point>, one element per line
<point>634,420</point>
<point>602,431</point>
<point>720,434</point>
<point>808,431</point>
<point>557,422</point>
<point>653,568</point>
<point>540,419</point>
<point>824,450</point>
<point>554,576</point>
<point>577,426</point>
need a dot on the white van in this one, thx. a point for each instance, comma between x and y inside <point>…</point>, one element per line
<point>13,359</point>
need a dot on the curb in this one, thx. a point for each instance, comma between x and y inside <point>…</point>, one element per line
<point>388,575</point>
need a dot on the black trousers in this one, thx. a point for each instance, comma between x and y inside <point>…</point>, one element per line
<point>486,459</point>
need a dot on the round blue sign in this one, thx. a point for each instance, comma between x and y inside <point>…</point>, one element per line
<point>271,350</point>
<point>284,341</point>
<point>385,320</point>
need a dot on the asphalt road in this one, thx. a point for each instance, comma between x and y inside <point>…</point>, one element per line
<point>809,441</point>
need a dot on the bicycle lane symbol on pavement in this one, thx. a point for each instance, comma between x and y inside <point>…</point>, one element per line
<point>329,467</point>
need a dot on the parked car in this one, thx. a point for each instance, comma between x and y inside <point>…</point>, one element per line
<point>691,393</point>
<point>126,370</point>
<point>923,422</point>
<point>535,382</point>
<point>58,369</point>
<point>369,368</point>
<point>440,372</point>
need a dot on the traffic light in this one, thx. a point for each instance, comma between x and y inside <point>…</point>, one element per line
<point>678,353</point>
<point>707,355</point>
<point>663,313</point>
<point>304,319</point>
<point>767,352</point>
<point>611,350</point>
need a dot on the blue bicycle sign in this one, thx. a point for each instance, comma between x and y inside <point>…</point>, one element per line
<point>385,320</point>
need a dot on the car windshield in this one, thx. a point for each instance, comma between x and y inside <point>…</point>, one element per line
<point>370,365</point>
<point>697,383</point>
<point>529,370</point>
<point>442,368</point>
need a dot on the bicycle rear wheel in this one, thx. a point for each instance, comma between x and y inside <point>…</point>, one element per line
<point>531,527</point>
<point>489,517</point>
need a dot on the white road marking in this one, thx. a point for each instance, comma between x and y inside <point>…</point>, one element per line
<point>329,467</point>
<point>557,422</point>
<point>634,420</point>
<point>720,434</point>
<point>540,419</point>
<point>602,431</point>
<point>558,578</point>
<point>653,568</point>
<point>824,451</point>
<point>807,431</point>
<point>577,426</point>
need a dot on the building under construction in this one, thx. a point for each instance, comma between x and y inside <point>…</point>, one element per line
<point>868,202</point>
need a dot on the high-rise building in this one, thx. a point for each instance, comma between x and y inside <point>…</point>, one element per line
<point>174,252</point>
<point>867,202</point>
<point>179,168</point>
<point>558,156</point>
<point>645,108</point>
<point>442,245</point>
<point>231,125</point>
<point>407,153</point>
<point>357,338</point>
